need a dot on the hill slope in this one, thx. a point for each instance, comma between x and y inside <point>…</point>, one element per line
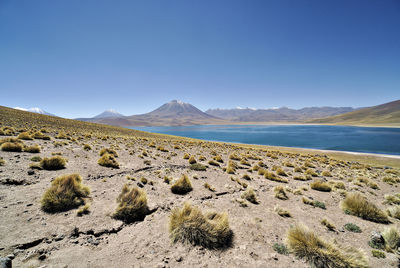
<point>384,114</point>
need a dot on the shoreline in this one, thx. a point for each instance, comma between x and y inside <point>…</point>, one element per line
<point>274,124</point>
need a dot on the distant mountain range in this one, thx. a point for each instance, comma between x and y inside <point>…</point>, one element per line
<point>384,114</point>
<point>34,110</point>
<point>180,113</point>
<point>282,114</point>
<point>172,113</point>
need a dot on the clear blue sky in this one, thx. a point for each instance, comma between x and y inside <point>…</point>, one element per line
<point>77,58</point>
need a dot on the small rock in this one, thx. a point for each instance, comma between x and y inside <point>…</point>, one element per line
<point>31,172</point>
<point>179,258</point>
<point>140,184</point>
<point>42,257</point>
<point>5,262</point>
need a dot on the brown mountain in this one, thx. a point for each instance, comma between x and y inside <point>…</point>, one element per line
<point>385,114</point>
<point>173,113</point>
<point>282,114</point>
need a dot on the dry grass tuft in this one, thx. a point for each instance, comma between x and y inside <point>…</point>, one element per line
<point>108,151</point>
<point>53,163</point>
<point>132,205</point>
<point>271,176</point>
<point>108,160</point>
<point>34,149</point>
<point>65,192</point>
<point>358,205</point>
<point>24,136</point>
<point>189,225</point>
<point>11,147</point>
<point>280,193</point>
<point>282,212</point>
<point>320,186</point>
<point>182,186</point>
<point>306,245</point>
<point>250,195</point>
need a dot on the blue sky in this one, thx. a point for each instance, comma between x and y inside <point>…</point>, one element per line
<point>77,58</point>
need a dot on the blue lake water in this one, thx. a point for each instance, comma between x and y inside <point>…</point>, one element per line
<point>343,138</point>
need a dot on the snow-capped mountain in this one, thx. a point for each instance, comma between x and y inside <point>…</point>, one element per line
<point>34,110</point>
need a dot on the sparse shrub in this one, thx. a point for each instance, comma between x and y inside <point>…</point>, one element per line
<point>250,195</point>
<point>198,167</point>
<point>282,212</point>
<point>209,187</point>
<point>218,158</point>
<point>352,228</point>
<point>271,176</point>
<point>234,157</point>
<point>244,162</point>
<point>301,178</point>
<point>108,151</point>
<point>246,177</point>
<point>392,239</point>
<point>311,172</point>
<point>306,245</point>
<point>132,205</point>
<point>87,147</point>
<point>213,163</point>
<point>230,170</point>
<point>182,186</point>
<point>108,160</point>
<point>281,172</point>
<point>167,179</point>
<point>192,160</point>
<point>83,210</point>
<point>298,169</point>
<point>280,248</point>
<point>11,147</point>
<point>326,173</point>
<point>320,186</point>
<point>357,205</point>
<point>378,254</point>
<point>61,135</point>
<point>53,163</point>
<point>314,203</point>
<point>34,149</point>
<point>280,193</point>
<point>392,199</point>
<point>394,212</point>
<point>390,180</point>
<point>331,227</point>
<point>65,192</point>
<point>189,225</point>
<point>186,156</point>
<point>40,136</point>
<point>24,136</point>
<point>2,162</point>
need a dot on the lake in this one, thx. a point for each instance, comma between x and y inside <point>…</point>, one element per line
<point>342,138</point>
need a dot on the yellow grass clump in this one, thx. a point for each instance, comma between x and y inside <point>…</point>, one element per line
<point>108,160</point>
<point>271,176</point>
<point>108,151</point>
<point>182,186</point>
<point>132,205</point>
<point>189,225</point>
<point>11,147</point>
<point>306,245</point>
<point>34,149</point>
<point>280,193</point>
<point>53,163</point>
<point>65,192</point>
<point>321,186</point>
<point>24,136</point>
<point>358,205</point>
<point>250,195</point>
